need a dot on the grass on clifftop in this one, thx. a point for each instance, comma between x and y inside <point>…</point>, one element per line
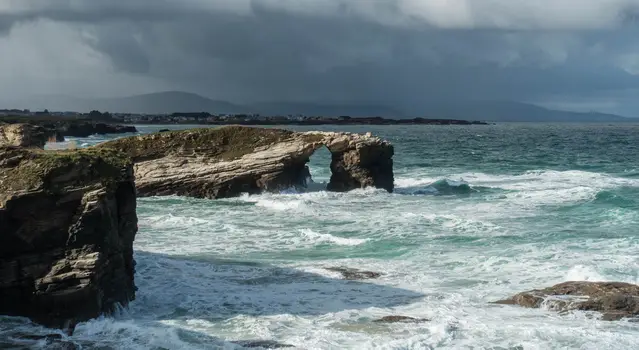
<point>224,143</point>
<point>30,169</point>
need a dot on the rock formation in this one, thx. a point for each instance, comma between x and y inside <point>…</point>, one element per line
<point>59,127</point>
<point>85,129</point>
<point>228,161</point>
<point>614,299</point>
<point>67,224</point>
<point>22,135</point>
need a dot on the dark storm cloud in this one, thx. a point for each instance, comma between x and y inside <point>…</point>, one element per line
<point>403,51</point>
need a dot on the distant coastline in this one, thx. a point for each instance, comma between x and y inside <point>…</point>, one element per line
<point>319,121</point>
<point>18,116</point>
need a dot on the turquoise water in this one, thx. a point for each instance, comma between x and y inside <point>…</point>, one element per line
<point>479,213</point>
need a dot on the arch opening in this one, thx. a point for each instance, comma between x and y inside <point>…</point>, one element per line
<point>319,169</point>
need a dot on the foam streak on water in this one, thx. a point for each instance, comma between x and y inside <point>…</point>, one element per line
<point>473,220</point>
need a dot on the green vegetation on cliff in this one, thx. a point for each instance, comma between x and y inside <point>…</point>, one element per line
<point>224,143</point>
<point>53,171</point>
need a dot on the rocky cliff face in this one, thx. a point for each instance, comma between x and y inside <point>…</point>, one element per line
<point>22,135</point>
<point>228,161</point>
<point>67,225</point>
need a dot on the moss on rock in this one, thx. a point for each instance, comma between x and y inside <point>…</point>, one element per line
<point>52,171</point>
<point>221,144</point>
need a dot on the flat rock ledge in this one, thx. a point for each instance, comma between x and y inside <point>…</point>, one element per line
<point>615,300</point>
<point>67,222</point>
<point>228,161</point>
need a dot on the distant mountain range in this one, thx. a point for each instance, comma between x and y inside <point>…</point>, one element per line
<point>178,101</point>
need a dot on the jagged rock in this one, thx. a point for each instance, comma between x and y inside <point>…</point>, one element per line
<point>22,135</point>
<point>615,300</point>
<point>67,225</point>
<point>400,319</point>
<point>354,274</point>
<point>229,161</point>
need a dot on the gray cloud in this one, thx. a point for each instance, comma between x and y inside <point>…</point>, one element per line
<point>405,52</point>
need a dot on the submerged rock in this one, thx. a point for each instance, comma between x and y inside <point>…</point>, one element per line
<point>615,300</point>
<point>22,135</point>
<point>400,319</point>
<point>354,274</point>
<point>68,221</point>
<point>261,344</point>
<point>228,161</point>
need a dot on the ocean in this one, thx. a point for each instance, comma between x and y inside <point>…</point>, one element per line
<point>479,213</point>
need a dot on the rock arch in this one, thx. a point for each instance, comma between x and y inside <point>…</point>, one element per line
<point>227,161</point>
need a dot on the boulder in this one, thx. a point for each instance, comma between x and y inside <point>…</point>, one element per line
<point>615,300</point>
<point>67,225</point>
<point>228,161</point>
<point>22,135</point>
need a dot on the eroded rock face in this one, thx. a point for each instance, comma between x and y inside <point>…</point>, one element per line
<point>67,225</point>
<point>615,300</point>
<point>228,161</point>
<point>22,135</point>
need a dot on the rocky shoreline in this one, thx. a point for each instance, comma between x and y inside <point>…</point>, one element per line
<point>68,218</point>
<point>59,128</point>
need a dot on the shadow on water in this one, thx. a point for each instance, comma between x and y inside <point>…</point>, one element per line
<point>174,290</point>
<point>215,290</point>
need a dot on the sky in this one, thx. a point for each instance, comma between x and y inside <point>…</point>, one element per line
<point>570,54</point>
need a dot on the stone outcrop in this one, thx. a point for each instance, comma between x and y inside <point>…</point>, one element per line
<point>22,135</point>
<point>615,300</point>
<point>228,161</point>
<point>67,225</point>
<point>59,127</point>
<point>85,129</point>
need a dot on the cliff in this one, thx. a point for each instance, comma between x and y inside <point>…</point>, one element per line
<point>67,225</point>
<point>228,161</point>
<point>22,135</point>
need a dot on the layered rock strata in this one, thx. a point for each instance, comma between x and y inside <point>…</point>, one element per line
<point>228,161</point>
<point>67,225</point>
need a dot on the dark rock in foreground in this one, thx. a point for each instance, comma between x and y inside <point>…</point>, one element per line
<point>400,319</point>
<point>615,300</point>
<point>22,135</point>
<point>228,161</point>
<point>68,221</point>
<point>354,274</point>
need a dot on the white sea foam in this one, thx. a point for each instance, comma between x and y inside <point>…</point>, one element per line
<point>328,238</point>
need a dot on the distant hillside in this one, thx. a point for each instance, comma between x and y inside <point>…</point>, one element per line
<point>509,111</point>
<point>177,101</point>
<point>166,102</point>
<point>328,110</point>
<point>158,103</point>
